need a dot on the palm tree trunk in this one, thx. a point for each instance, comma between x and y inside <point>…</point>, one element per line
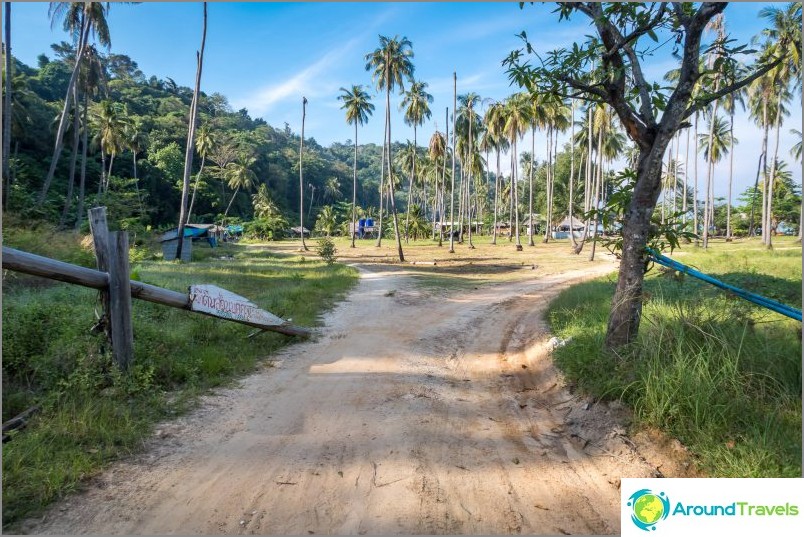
<point>354,192</point>
<point>530,184</point>
<point>68,200</point>
<point>772,177</point>
<point>226,212</point>
<point>469,177</point>
<point>572,171</point>
<point>7,106</point>
<point>109,174</point>
<point>58,145</point>
<point>391,180</point>
<point>188,154</point>
<point>598,189</point>
<point>443,206</point>
<point>496,197</point>
<point>731,173</point>
<point>410,186</point>
<point>301,177</point>
<point>709,208</point>
<point>695,184</point>
<point>452,188</point>
<point>137,184</point>
<point>762,154</point>
<point>82,185</point>
<point>686,170</point>
<point>675,173</point>
<point>102,183</point>
<point>514,186</point>
<point>765,172</point>
<point>195,185</point>
<point>382,179</point>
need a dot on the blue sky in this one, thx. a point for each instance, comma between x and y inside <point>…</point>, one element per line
<point>265,56</point>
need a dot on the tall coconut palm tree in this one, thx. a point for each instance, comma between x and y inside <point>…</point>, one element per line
<point>468,127</point>
<point>438,151</point>
<point>79,19</point>
<point>391,65</point>
<point>795,152</point>
<point>714,147</point>
<point>517,117</point>
<point>416,103</point>
<point>110,123</point>
<point>204,144</point>
<point>494,123</point>
<point>239,176</point>
<point>357,104</point>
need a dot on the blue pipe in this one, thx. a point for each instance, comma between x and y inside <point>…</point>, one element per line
<point>765,302</point>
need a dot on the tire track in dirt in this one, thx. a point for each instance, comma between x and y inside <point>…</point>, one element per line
<point>408,413</point>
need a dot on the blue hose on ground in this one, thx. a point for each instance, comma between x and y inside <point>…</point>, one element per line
<point>765,302</point>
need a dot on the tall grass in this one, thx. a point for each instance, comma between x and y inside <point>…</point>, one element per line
<point>91,413</point>
<point>720,374</point>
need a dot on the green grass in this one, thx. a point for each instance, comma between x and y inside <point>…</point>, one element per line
<point>720,374</point>
<point>91,414</point>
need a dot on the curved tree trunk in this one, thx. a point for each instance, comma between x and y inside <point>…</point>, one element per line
<point>391,180</point>
<point>195,185</point>
<point>58,145</point>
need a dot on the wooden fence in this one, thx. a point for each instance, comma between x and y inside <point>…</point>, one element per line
<point>117,290</point>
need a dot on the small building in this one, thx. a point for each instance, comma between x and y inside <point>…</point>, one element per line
<point>297,231</point>
<point>563,229</point>
<point>193,232</point>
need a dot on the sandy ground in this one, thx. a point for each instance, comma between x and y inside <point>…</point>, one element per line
<point>409,413</point>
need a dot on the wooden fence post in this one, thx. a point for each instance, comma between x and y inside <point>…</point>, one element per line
<point>100,239</point>
<point>120,300</point>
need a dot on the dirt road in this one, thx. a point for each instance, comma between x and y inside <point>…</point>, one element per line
<point>410,413</point>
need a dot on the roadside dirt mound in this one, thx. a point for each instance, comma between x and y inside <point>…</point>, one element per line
<point>409,413</point>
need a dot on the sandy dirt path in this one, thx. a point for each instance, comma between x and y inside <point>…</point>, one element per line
<point>409,413</point>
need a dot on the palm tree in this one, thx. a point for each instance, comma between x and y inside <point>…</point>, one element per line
<point>326,221</point>
<point>517,117</point>
<point>392,65</point>
<point>438,153</point>
<point>468,128</point>
<point>110,123</point>
<point>783,35</point>
<point>92,79</point>
<point>263,205</point>
<point>714,147</point>
<point>79,19</point>
<point>239,175</point>
<point>416,102</point>
<point>204,144</point>
<point>332,189</point>
<point>357,104</point>
<point>494,122</point>
<point>301,176</point>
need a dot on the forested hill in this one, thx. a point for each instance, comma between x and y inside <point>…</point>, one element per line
<point>138,126</point>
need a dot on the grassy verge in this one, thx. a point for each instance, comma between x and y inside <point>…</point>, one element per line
<point>720,374</point>
<point>91,414</point>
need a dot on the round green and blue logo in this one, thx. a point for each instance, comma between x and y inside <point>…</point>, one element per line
<point>648,508</point>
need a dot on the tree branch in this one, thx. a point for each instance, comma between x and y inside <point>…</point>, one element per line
<point>701,103</point>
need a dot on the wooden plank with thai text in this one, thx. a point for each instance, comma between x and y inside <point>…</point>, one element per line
<point>218,302</point>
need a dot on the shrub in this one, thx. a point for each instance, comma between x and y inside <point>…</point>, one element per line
<point>326,250</point>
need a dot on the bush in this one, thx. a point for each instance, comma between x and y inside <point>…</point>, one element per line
<point>270,228</point>
<point>326,250</point>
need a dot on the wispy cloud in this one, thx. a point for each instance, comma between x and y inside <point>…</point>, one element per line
<point>305,82</point>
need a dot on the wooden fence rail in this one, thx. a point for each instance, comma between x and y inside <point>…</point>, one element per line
<point>45,267</point>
